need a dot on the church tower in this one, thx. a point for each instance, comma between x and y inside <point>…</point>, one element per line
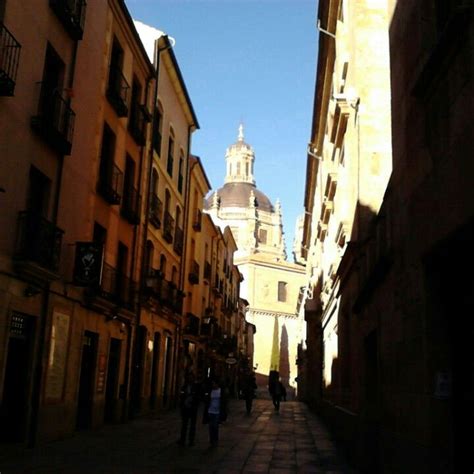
<point>270,284</point>
<point>256,224</point>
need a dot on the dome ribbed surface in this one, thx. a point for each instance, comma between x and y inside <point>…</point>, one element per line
<point>238,195</point>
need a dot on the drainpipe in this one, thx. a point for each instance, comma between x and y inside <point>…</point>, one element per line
<point>32,431</point>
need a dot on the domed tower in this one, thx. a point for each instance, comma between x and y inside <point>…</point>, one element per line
<point>255,223</point>
<point>270,283</point>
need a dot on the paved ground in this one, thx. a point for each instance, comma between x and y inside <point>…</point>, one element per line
<point>291,441</point>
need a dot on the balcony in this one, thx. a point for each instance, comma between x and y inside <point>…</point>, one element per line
<point>9,60</point>
<point>131,205</point>
<point>117,288</point>
<point>168,227</point>
<point>152,284</point>
<point>193,276</point>
<point>55,120</point>
<point>110,182</point>
<point>178,241</point>
<point>192,325</point>
<point>139,117</point>
<point>38,246</point>
<point>71,14</point>
<point>117,92</point>
<point>208,326</point>
<point>197,220</point>
<point>156,211</point>
<point>171,297</point>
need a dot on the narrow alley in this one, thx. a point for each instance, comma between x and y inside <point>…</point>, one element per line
<point>291,441</point>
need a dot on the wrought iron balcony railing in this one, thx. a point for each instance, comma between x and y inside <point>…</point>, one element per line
<point>117,91</point>
<point>38,241</point>
<point>72,14</point>
<point>131,205</point>
<point>117,287</point>
<point>153,282</point>
<point>156,211</point>
<point>9,60</point>
<point>110,183</point>
<point>168,227</point>
<point>55,120</point>
<point>178,241</point>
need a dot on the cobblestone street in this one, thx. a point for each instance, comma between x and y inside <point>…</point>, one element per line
<point>291,441</point>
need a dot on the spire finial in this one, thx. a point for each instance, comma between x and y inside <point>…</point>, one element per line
<point>241,132</point>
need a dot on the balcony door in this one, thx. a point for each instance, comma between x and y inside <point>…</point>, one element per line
<point>52,83</point>
<point>38,193</point>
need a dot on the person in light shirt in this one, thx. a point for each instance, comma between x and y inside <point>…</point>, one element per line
<point>215,410</point>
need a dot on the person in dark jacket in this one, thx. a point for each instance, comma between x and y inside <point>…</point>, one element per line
<point>248,391</point>
<point>215,410</point>
<point>189,402</point>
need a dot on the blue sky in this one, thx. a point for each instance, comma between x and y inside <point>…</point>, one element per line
<point>252,61</point>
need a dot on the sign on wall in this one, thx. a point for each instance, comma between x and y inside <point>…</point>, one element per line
<point>88,263</point>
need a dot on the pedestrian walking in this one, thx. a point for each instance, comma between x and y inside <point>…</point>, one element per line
<point>277,390</point>
<point>189,402</point>
<point>215,411</point>
<point>249,387</point>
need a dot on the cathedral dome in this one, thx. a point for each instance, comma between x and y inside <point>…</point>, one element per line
<point>238,195</point>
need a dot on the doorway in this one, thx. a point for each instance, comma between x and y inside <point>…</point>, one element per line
<point>86,381</point>
<point>13,415</point>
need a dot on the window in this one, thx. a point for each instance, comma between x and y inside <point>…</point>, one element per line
<point>110,177</point>
<point>174,275</point>
<point>262,236</point>
<point>149,257</point>
<point>136,123</point>
<point>282,291</point>
<point>154,182</point>
<point>100,234</point>
<point>38,193</point>
<point>163,264</point>
<point>118,88</point>
<point>170,163</point>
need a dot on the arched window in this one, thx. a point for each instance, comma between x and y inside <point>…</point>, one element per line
<point>170,162</point>
<point>154,181</point>
<point>149,251</point>
<point>163,265</point>
<point>167,201</point>
<point>178,216</point>
<point>174,275</point>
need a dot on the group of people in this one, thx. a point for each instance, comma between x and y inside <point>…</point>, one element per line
<point>215,397</point>
<point>215,408</point>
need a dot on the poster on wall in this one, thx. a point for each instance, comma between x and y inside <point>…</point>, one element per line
<point>58,350</point>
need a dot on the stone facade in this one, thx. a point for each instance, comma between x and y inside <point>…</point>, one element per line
<point>383,352</point>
